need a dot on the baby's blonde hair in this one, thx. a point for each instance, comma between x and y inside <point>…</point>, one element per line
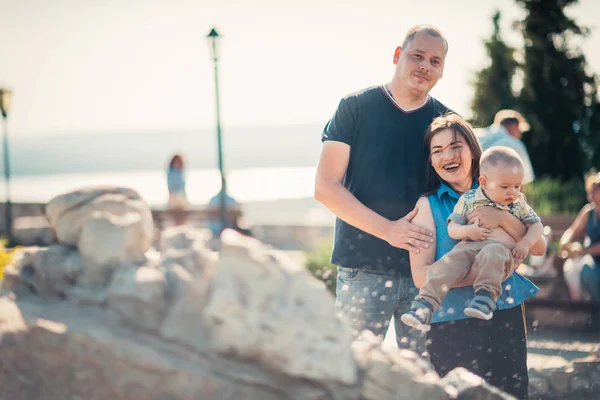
<point>500,157</point>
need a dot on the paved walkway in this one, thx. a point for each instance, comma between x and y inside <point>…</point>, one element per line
<point>548,347</point>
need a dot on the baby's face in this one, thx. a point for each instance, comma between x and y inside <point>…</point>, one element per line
<point>503,184</point>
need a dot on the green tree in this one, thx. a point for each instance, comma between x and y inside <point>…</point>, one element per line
<point>493,84</point>
<point>559,97</point>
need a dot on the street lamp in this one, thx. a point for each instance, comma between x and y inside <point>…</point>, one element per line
<point>5,97</point>
<point>213,38</point>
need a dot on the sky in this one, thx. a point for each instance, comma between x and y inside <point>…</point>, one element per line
<point>90,66</point>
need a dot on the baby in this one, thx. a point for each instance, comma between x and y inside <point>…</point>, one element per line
<point>494,253</point>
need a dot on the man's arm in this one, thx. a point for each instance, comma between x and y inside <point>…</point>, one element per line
<point>420,262</point>
<point>330,191</point>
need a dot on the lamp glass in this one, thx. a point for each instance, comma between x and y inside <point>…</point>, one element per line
<point>5,97</point>
<point>213,41</point>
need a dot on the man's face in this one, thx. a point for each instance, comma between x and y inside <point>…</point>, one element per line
<point>514,131</point>
<point>420,64</point>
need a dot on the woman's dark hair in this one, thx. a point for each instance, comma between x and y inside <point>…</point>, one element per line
<point>460,127</point>
<point>174,159</point>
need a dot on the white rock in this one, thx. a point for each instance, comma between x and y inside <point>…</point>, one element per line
<point>68,202</point>
<point>187,295</point>
<point>70,224</point>
<point>139,295</point>
<point>265,308</point>
<point>180,237</point>
<point>108,241</point>
<point>396,374</point>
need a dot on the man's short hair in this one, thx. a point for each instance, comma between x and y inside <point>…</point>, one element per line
<point>511,117</point>
<point>428,29</point>
<point>498,157</point>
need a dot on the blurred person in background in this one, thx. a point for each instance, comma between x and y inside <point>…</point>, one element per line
<point>233,213</point>
<point>581,243</point>
<point>176,184</point>
<point>507,130</point>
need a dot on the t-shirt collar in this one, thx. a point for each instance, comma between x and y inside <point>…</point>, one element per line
<point>445,188</point>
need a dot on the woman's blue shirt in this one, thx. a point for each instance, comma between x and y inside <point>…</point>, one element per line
<point>515,290</point>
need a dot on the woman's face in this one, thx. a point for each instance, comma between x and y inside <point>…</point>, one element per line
<point>177,163</point>
<point>451,157</point>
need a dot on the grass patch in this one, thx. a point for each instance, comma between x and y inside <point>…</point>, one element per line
<point>317,261</point>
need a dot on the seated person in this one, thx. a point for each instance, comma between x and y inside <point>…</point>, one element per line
<point>494,253</point>
<point>584,260</point>
<point>233,214</point>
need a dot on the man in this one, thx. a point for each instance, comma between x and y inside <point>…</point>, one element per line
<point>370,174</point>
<point>507,130</point>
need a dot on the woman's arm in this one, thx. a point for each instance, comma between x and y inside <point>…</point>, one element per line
<point>491,218</point>
<point>420,262</point>
<point>577,229</point>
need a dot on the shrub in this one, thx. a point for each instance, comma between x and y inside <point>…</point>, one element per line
<point>549,196</point>
<point>317,261</point>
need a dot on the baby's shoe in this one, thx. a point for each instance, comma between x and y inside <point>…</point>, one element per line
<point>482,306</point>
<point>419,316</point>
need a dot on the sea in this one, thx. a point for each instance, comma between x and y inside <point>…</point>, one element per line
<point>270,170</point>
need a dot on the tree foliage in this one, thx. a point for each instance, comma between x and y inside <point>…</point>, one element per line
<point>559,97</point>
<point>493,84</point>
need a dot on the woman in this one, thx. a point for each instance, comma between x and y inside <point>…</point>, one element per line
<point>496,349</point>
<point>586,225</point>
<point>176,184</point>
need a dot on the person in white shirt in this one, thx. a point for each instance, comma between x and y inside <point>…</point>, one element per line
<point>507,130</point>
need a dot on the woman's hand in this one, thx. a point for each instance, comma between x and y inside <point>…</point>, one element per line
<point>489,217</point>
<point>476,232</point>
<point>520,251</point>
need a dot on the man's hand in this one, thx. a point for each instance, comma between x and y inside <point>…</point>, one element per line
<point>403,234</point>
<point>520,251</point>
<point>476,232</point>
<point>489,217</point>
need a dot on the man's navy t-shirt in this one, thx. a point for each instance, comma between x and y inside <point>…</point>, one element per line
<point>386,170</point>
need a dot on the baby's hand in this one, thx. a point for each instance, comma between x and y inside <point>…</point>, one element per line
<point>476,232</point>
<point>520,251</point>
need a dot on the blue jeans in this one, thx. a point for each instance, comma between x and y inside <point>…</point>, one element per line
<point>590,281</point>
<point>368,299</point>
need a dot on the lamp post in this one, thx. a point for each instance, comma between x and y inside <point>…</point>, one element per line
<point>213,38</point>
<point>5,97</point>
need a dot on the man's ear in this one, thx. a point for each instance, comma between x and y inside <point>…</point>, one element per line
<point>483,182</point>
<point>397,54</point>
